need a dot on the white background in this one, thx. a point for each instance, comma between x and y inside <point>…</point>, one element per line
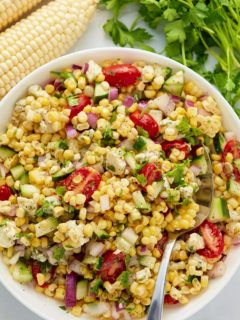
<point>227,304</point>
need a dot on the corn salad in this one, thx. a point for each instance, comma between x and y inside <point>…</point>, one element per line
<point>97,166</point>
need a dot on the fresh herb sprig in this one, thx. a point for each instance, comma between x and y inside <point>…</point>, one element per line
<point>193,29</point>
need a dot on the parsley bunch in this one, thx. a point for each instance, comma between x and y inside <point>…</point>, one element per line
<point>193,29</point>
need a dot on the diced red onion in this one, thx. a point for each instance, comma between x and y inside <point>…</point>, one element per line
<point>229,135</point>
<point>165,104</point>
<point>236,241</point>
<point>126,315</point>
<point>188,104</point>
<point>85,68</point>
<point>11,213</point>
<point>76,67</point>
<point>92,119</point>
<point>115,313</point>
<point>75,266</point>
<point>77,164</point>
<point>204,113</point>
<point>133,261</point>
<point>174,98</point>
<point>71,132</point>
<point>119,306</point>
<point>142,105</point>
<point>2,171</point>
<point>41,160</point>
<point>128,101</point>
<point>20,249</point>
<point>71,287</point>
<point>99,167</point>
<point>58,85</point>
<point>104,202</point>
<point>127,144</point>
<point>113,93</point>
<point>95,249</point>
<point>195,169</point>
<point>218,270</point>
<point>143,249</point>
<point>203,97</point>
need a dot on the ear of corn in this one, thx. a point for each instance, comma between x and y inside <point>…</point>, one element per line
<point>44,35</point>
<point>13,10</point>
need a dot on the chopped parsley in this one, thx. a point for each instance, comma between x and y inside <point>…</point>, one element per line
<point>96,285</point>
<point>190,133</point>
<point>99,263</point>
<point>107,139</point>
<point>124,279</point>
<point>60,190</point>
<point>112,168</point>
<point>45,209</point>
<point>63,145</point>
<point>141,179</point>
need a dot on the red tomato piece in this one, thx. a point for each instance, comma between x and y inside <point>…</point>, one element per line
<point>83,101</point>
<point>232,147</point>
<point>181,145</point>
<point>162,243</point>
<point>169,300</point>
<point>145,121</point>
<point>84,180</point>
<point>121,75</point>
<point>151,172</point>
<point>5,193</point>
<point>113,265</point>
<point>213,238</point>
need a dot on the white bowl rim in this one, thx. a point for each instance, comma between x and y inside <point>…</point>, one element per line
<point>159,58</point>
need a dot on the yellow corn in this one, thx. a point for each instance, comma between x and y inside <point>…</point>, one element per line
<point>44,35</point>
<point>13,10</point>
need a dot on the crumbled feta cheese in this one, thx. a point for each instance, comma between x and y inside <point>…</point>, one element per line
<point>209,125</point>
<point>28,205</point>
<point>147,156</point>
<point>186,192</point>
<point>198,262</point>
<point>74,235</point>
<point>143,275</point>
<point>195,242</point>
<point>39,256</point>
<point>8,232</point>
<point>115,161</point>
<point>6,208</point>
<point>93,71</point>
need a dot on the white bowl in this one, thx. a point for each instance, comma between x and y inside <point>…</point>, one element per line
<point>48,308</point>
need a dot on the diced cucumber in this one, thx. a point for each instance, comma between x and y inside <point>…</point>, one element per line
<point>130,159</point>
<point>82,289</point>
<point>122,244</point>
<point>17,172</point>
<point>96,308</point>
<point>147,261</point>
<point>237,163</point>
<point>157,186</point>
<point>24,179</point>
<point>6,152</point>
<point>140,201</point>
<point>28,190</point>
<point>62,174</point>
<point>46,226</point>
<point>233,187</point>
<point>201,162</point>
<point>219,142</point>
<point>130,236</point>
<point>174,84</point>
<point>95,285</point>
<point>101,234</point>
<point>100,93</point>
<point>90,260</point>
<point>219,210</point>
<point>21,273</point>
<point>166,72</point>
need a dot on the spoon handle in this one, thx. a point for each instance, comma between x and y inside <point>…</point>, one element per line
<point>156,308</point>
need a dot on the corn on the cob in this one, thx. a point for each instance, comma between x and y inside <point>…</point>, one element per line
<point>44,35</point>
<point>13,10</point>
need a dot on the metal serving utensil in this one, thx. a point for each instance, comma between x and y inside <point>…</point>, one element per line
<point>203,198</point>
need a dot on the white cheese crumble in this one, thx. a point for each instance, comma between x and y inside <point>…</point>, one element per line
<point>74,235</point>
<point>186,192</point>
<point>28,205</point>
<point>93,71</point>
<point>8,232</point>
<point>143,275</point>
<point>195,242</point>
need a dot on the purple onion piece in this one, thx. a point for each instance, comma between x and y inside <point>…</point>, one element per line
<point>113,93</point>
<point>188,104</point>
<point>119,306</point>
<point>71,132</point>
<point>85,68</point>
<point>128,101</point>
<point>76,67</point>
<point>142,105</point>
<point>92,119</point>
<point>175,99</point>
<point>71,287</point>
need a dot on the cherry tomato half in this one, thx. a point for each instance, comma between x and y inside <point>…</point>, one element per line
<point>145,121</point>
<point>162,243</point>
<point>232,147</point>
<point>84,180</point>
<point>121,75</point>
<point>151,172</point>
<point>213,238</point>
<point>5,193</point>
<point>169,300</point>
<point>113,265</point>
<point>181,145</point>
<point>83,101</point>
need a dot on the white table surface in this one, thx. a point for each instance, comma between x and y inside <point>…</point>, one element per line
<point>225,306</point>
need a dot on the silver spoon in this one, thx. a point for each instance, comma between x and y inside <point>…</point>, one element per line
<point>204,198</point>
